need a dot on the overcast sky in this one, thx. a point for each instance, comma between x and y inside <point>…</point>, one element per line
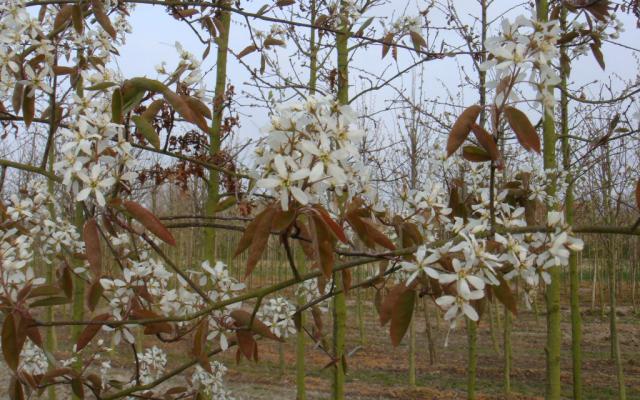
<point>155,32</point>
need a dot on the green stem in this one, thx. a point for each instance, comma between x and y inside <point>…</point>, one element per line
<point>215,139</point>
<point>339,301</point>
<point>574,279</point>
<point>507,352</point>
<point>472,361</point>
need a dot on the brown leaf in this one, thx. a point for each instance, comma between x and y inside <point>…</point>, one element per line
<point>63,17</point>
<point>487,142</point>
<point>199,349</point>
<point>103,18</point>
<point>597,54</point>
<point>91,238</point>
<point>388,42</point>
<point>11,346</point>
<point>90,331</point>
<point>389,301</point>
<point>76,18</point>
<point>150,221</point>
<point>247,50</point>
<point>94,294</point>
<point>270,41</point>
<point>461,128</point>
<point>182,107</point>
<point>331,224</point>
<point>475,154</point>
<point>246,343</point>
<point>260,239</point>
<point>28,107</point>
<point>525,132</point>
<point>243,318</point>
<point>401,315</point>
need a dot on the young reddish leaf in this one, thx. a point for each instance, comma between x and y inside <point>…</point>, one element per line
<point>487,142</point>
<point>401,315</point>
<point>270,41</point>
<point>387,43</point>
<point>243,318</point>
<point>63,17</point>
<point>28,325</point>
<point>199,349</point>
<point>91,238</point>
<point>147,130</point>
<point>11,346</point>
<point>247,50</point>
<point>150,113</point>
<point>389,301</point>
<point>475,154</point>
<point>246,343</point>
<point>199,107</point>
<point>94,294</point>
<point>76,18</point>
<point>29,106</point>
<point>146,84</point>
<point>50,301</point>
<point>525,132</point>
<point>150,221</point>
<point>597,54</point>
<point>90,331</point>
<point>182,107</point>
<point>116,106</point>
<point>17,97</point>
<point>65,281</point>
<point>103,18</point>
<point>417,40</point>
<point>77,388</point>
<point>260,239</point>
<point>331,224</point>
<point>461,128</point>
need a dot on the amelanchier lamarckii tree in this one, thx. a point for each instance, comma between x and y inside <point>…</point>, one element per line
<point>309,186</point>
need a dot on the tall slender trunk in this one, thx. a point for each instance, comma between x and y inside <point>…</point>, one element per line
<point>507,352</point>
<point>552,295</point>
<point>215,139</point>
<point>574,278</point>
<point>472,362</point>
<point>339,301</point>
<point>301,393</point>
<point>427,319</point>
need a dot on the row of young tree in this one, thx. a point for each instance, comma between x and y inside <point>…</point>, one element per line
<point>460,223</point>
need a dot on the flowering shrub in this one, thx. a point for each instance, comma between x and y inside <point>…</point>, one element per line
<point>458,243</point>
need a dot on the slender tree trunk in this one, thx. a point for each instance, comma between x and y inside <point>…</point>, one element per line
<point>507,352</point>
<point>613,328</point>
<point>492,329</point>
<point>427,319</point>
<point>412,353</point>
<point>339,301</point>
<point>215,139</point>
<point>552,295</point>
<point>472,362</point>
<point>574,279</point>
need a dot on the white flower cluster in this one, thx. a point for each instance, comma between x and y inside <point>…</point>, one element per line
<point>277,314</point>
<point>188,72</point>
<point>220,285</point>
<point>31,232</point>
<point>153,362</point>
<point>464,265</point>
<point>407,24</point>
<point>310,148</point>
<point>33,361</point>
<point>524,45</point>
<point>211,384</point>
